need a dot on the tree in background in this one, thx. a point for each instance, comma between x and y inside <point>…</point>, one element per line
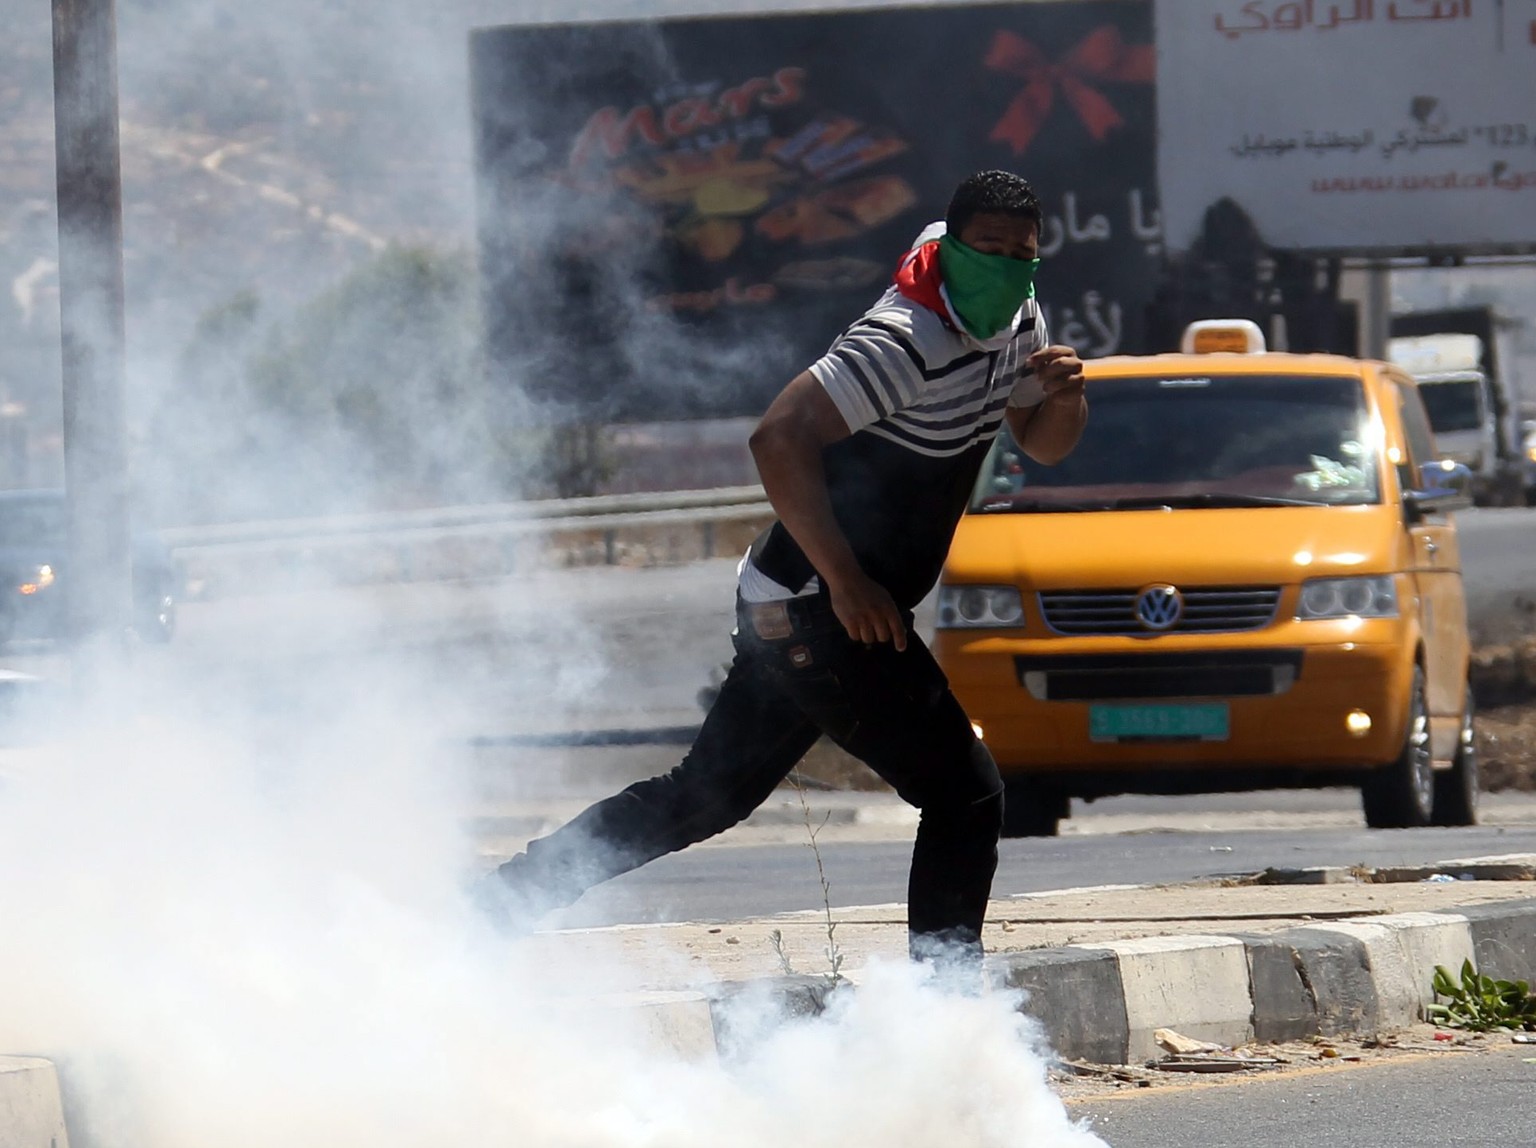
<point>371,397</point>
<point>199,436</point>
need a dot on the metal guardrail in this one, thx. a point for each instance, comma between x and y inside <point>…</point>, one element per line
<point>466,542</point>
<point>543,515</point>
<point>588,738</point>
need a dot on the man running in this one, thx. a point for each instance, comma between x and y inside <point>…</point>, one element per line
<point>868,458</point>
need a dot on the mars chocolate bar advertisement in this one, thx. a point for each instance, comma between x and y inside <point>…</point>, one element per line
<point>677,217</point>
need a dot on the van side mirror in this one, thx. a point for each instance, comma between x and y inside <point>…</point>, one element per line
<point>1443,486</point>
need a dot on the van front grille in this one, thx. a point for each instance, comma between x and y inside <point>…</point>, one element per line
<point>1131,677</point>
<point>1207,610</point>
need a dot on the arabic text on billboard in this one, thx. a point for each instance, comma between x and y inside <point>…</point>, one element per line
<point>1365,126</point>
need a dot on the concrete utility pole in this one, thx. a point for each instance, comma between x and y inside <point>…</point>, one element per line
<point>1376,329</point>
<point>91,314</point>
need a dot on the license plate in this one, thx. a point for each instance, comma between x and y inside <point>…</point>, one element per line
<point>1197,722</point>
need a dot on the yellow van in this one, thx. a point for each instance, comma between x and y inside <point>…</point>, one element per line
<point>1246,576</point>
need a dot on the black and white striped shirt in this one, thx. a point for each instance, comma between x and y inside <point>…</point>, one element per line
<point>923,400</point>
<point>902,373</point>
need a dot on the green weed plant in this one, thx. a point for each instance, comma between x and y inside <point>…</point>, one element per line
<point>1481,1003</point>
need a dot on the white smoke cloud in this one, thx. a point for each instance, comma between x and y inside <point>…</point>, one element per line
<point>229,937</point>
<point>239,917</point>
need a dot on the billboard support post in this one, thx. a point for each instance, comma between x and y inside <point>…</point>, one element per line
<point>92,326</point>
<point>1378,311</point>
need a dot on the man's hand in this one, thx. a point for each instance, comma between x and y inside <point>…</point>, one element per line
<point>787,447</point>
<point>1050,429</point>
<point>1058,368</point>
<point>867,610</point>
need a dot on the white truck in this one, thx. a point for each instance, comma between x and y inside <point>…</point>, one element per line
<point>1474,417</point>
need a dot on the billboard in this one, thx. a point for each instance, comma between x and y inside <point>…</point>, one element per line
<point>677,217</point>
<point>1358,127</point>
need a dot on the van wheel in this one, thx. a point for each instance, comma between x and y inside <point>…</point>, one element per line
<point>1031,809</point>
<point>1457,788</point>
<point>1401,795</point>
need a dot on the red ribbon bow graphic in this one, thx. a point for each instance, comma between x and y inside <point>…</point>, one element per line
<point>1102,56</point>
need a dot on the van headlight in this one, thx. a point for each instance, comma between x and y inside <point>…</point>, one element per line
<point>39,579</point>
<point>1373,597</point>
<point>962,607</point>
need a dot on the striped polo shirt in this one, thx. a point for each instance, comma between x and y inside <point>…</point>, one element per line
<point>923,399</point>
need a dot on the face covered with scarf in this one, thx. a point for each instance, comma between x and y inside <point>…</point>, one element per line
<point>989,270</point>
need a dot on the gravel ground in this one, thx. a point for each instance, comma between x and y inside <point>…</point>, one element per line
<point>1080,1083</point>
<point>1506,740</point>
<point>1504,680</point>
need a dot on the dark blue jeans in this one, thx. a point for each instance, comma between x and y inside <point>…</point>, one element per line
<point>798,675</point>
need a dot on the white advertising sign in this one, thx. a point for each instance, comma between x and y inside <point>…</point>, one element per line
<point>1360,127</point>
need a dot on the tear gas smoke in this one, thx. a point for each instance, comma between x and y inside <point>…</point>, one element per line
<point>237,945</point>
<point>238,917</point>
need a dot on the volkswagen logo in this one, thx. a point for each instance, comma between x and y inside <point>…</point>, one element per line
<point>1159,607</point>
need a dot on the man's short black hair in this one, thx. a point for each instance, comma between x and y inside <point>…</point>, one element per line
<point>991,191</point>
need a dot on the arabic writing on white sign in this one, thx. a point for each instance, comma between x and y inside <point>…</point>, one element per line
<point>1294,17</point>
<point>1408,141</point>
<point>1432,97</point>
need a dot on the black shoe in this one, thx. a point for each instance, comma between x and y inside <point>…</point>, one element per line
<point>955,956</point>
<point>502,901</point>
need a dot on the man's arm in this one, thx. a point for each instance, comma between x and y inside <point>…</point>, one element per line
<point>787,446</point>
<point>1049,430</point>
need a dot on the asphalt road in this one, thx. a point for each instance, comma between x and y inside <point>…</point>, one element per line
<point>613,648</point>
<point>1439,1100</point>
<point>723,884</point>
<point>1498,560</point>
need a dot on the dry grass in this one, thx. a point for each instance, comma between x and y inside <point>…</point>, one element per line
<point>1504,680</point>
<point>1506,745</point>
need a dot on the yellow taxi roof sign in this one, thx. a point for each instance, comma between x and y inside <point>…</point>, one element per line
<point>1222,337</point>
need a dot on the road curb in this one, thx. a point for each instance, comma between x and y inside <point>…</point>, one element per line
<point>31,1109</point>
<point>743,1012</point>
<point>1157,975</point>
<point>1358,977</point>
<point>1353,978</point>
<point>1309,984</point>
<point>1503,939</point>
<point>1076,995</point>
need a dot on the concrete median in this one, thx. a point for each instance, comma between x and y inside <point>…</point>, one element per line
<point>31,1111</point>
<point>1231,962</point>
<point>1201,980</point>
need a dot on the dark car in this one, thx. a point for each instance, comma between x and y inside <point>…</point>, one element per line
<point>1528,459</point>
<point>34,563</point>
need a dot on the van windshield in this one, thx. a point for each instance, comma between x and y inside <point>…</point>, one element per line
<point>1452,404</point>
<point>1218,441</point>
